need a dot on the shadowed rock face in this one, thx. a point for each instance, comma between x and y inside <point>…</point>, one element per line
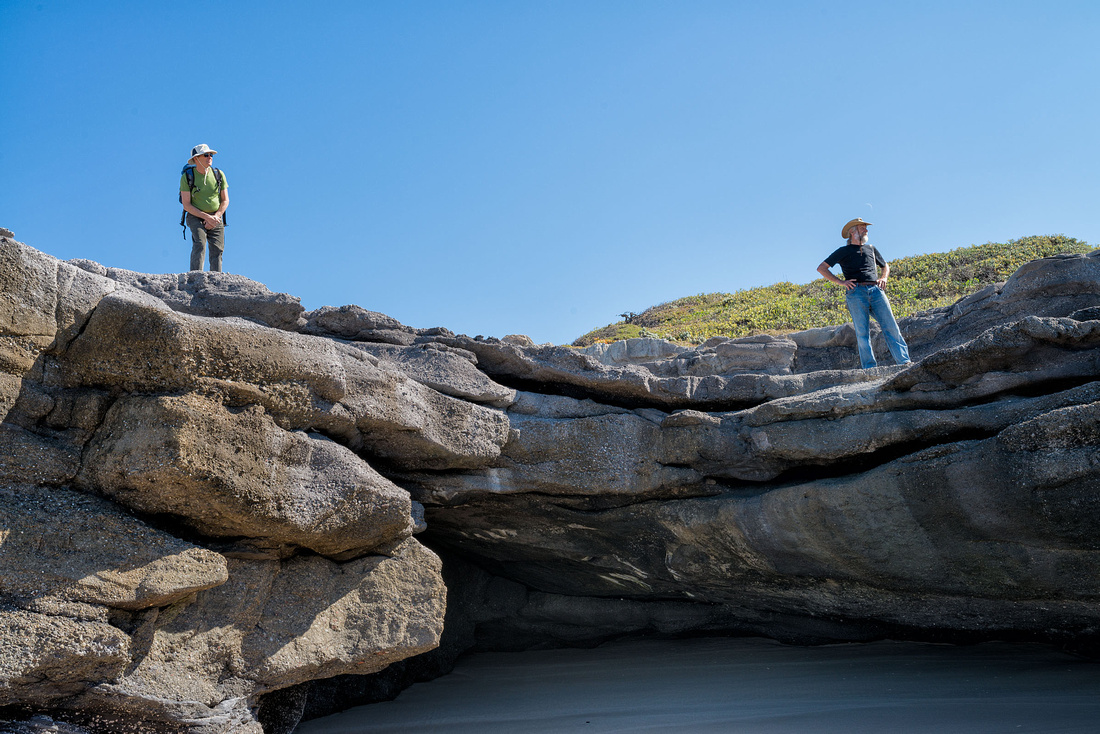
<point>189,514</point>
<point>207,496</point>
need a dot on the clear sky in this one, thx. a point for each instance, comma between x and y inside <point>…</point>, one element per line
<point>541,166</point>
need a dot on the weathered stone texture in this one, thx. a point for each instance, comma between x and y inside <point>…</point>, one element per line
<point>205,293</point>
<point>133,343</point>
<point>205,492</point>
<point>167,480</point>
<point>271,625</point>
<point>231,473</point>
<point>60,544</point>
<point>45,657</point>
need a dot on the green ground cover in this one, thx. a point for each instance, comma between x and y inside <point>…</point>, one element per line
<point>916,284</point>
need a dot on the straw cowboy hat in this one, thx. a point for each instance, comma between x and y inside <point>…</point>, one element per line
<point>848,227</point>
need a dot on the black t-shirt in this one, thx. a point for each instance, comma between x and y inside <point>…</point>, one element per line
<point>857,262</point>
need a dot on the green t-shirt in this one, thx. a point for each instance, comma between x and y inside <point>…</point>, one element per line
<point>205,196</point>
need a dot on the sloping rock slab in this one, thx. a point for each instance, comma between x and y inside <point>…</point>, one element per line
<point>446,369</point>
<point>205,293</point>
<point>134,343</point>
<point>566,370</point>
<point>64,545</point>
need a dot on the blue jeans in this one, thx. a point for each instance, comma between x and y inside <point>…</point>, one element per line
<point>865,301</point>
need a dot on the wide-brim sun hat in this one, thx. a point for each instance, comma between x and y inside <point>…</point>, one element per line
<point>848,227</point>
<point>202,149</point>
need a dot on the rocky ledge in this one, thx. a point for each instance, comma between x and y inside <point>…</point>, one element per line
<point>209,497</point>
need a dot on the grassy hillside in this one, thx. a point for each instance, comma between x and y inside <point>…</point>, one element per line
<point>916,284</point>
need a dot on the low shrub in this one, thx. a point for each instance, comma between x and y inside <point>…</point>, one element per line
<point>916,284</point>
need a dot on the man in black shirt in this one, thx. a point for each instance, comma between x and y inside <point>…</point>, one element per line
<point>865,296</point>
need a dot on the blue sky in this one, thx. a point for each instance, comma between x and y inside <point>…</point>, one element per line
<point>539,167</point>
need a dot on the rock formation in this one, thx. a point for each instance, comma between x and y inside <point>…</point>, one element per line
<point>208,495</point>
<point>185,524</point>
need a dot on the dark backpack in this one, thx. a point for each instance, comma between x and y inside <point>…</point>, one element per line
<point>189,171</point>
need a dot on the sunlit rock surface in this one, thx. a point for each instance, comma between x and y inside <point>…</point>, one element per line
<point>208,496</point>
<point>190,516</point>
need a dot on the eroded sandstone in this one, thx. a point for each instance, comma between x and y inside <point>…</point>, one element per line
<point>233,473</point>
<point>207,496</point>
<point>167,480</point>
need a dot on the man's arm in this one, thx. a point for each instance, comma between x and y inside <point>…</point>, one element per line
<point>224,205</point>
<point>884,275</point>
<point>208,220</point>
<point>827,274</point>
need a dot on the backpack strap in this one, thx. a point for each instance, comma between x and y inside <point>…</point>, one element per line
<point>189,172</point>
<point>220,178</point>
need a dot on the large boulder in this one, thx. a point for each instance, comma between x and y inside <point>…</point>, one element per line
<point>167,481</point>
<point>272,625</point>
<point>694,379</point>
<point>134,343</point>
<point>565,447</point>
<point>45,303</point>
<point>357,324</point>
<point>60,545</point>
<point>763,354</point>
<point>232,473</point>
<point>45,657</point>
<point>449,370</point>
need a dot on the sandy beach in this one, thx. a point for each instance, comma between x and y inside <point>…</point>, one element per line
<point>746,685</point>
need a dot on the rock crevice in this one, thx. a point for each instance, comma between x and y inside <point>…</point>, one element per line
<point>213,501</point>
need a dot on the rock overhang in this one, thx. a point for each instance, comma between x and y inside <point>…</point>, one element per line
<point>758,485</point>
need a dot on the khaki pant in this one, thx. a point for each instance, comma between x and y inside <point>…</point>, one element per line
<point>200,236</point>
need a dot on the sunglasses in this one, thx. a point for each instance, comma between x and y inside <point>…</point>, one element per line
<point>207,155</point>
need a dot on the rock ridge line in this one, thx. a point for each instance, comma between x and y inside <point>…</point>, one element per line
<point>220,512</point>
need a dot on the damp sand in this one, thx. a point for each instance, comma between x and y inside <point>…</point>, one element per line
<point>746,685</point>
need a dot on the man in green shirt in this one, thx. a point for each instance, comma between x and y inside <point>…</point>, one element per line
<point>205,205</point>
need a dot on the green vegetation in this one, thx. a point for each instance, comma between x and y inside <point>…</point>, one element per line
<point>916,284</point>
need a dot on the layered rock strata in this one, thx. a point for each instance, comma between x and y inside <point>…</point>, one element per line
<point>209,494</point>
<point>765,486</point>
<point>190,517</point>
